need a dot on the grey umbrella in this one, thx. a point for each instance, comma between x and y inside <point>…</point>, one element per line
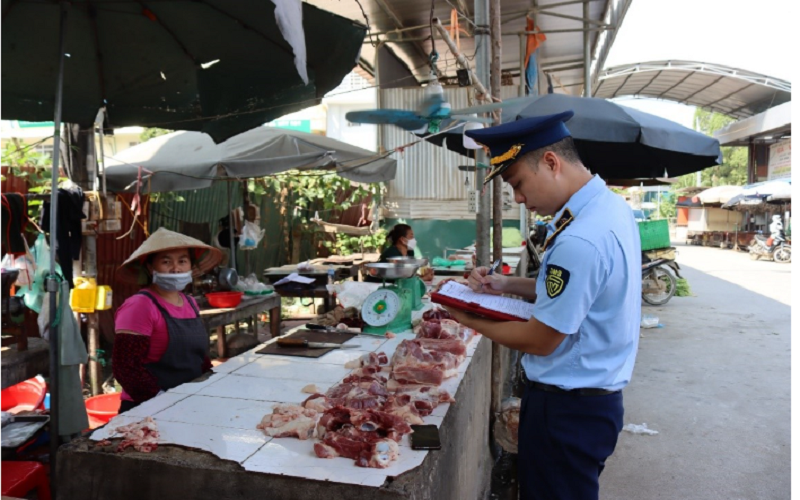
<point>614,141</point>
<point>191,160</point>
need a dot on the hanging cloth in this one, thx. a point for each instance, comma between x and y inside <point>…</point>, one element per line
<point>14,218</point>
<point>68,237</point>
<point>72,417</point>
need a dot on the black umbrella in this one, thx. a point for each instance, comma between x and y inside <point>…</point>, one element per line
<point>614,141</point>
<point>153,63</point>
<point>221,67</point>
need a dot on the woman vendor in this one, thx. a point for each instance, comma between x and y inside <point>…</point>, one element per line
<point>160,340</point>
<point>402,244</point>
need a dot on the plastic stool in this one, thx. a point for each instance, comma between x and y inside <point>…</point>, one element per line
<point>20,478</point>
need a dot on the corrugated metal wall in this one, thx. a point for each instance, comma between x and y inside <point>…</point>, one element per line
<point>111,253</point>
<point>428,182</point>
<point>209,205</point>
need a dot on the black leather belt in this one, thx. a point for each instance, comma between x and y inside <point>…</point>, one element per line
<point>578,392</point>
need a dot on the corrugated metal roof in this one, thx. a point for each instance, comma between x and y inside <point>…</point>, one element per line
<point>723,89</point>
<point>428,183</point>
<point>388,15</point>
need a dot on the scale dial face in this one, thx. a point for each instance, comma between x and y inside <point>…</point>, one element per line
<point>380,308</point>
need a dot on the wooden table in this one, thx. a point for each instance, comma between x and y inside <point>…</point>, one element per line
<point>218,318</point>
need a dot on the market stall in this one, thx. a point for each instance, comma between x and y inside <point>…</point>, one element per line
<point>707,223</point>
<point>210,427</point>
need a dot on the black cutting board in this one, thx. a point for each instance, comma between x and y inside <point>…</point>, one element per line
<point>311,336</point>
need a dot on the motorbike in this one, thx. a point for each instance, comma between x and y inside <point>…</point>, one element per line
<point>775,247</point>
<point>658,283</point>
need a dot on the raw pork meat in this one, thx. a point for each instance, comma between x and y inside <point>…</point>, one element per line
<point>288,420</point>
<point>310,389</point>
<point>141,436</point>
<point>437,314</point>
<point>370,359</point>
<point>367,436</point>
<point>427,361</point>
<point>444,329</point>
<point>425,399</point>
<point>359,392</point>
<point>317,402</point>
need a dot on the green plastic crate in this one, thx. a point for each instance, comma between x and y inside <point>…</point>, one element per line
<point>654,234</point>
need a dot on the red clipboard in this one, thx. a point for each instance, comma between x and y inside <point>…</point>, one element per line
<point>472,307</point>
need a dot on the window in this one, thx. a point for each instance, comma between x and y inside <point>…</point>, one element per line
<point>45,149</point>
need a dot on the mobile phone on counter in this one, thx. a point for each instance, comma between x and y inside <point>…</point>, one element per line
<point>425,437</point>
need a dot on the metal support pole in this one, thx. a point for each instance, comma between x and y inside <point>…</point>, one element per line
<point>52,279</point>
<point>499,370</point>
<point>587,54</point>
<point>482,41</point>
<point>231,222</point>
<point>92,320</point>
<point>477,82</point>
<point>523,50</point>
<point>378,98</point>
<point>102,148</point>
<point>497,184</point>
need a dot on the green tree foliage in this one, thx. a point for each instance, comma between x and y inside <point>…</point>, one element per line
<point>328,194</point>
<point>151,132</point>
<point>667,209</point>
<point>733,170</point>
<point>25,162</point>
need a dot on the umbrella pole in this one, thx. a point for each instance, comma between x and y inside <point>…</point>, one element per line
<point>52,279</point>
<point>231,222</point>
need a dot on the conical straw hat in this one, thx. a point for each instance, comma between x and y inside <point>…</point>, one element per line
<point>134,270</point>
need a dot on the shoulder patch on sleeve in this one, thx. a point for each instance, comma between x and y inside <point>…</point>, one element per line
<point>556,280</point>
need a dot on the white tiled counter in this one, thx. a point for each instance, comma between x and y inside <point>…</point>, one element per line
<point>215,420</point>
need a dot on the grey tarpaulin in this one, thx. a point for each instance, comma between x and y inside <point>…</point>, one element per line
<point>190,160</point>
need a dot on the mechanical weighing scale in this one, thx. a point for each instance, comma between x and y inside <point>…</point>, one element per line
<point>389,307</point>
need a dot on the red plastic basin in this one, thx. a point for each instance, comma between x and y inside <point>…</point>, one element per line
<point>103,407</point>
<point>28,395</point>
<point>224,299</point>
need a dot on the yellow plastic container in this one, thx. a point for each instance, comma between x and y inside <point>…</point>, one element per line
<point>104,298</point>
<point>84,296</point>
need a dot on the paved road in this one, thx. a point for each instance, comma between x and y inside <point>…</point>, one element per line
<point>715,383</point>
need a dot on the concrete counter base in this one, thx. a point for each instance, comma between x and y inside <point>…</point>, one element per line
<point>459,471</point>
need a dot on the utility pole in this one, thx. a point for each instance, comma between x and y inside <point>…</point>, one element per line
<point>482,42</point>
<point>84,171</point>
<point>497,184</point>
<point>587,53</point>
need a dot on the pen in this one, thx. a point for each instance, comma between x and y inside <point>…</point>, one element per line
<point>491,269</point>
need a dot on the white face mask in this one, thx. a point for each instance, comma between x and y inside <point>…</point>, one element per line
<point>172,282</point>
<point>412,244</point>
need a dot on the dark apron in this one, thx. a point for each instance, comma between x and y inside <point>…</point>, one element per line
<point>186,350</point>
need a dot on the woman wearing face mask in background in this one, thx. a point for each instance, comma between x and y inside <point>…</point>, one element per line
<point>160,340</point>
<point>403,244</point>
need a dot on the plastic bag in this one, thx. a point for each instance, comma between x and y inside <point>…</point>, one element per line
<point>506,427</point>
<point>639,429</point>
<point>650,321</point>
<point>251,235</point>
<point>441,262</point>
<point>24,263</point>
<point>33,293</point>
<point>252,284</point>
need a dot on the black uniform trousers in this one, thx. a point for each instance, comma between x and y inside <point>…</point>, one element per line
<point>564,441</point>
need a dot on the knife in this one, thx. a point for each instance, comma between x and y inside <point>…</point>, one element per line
<point>302,343</point>
<point>312,326</point>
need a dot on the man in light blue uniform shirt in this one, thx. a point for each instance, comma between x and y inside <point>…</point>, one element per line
<point>580,345</point>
